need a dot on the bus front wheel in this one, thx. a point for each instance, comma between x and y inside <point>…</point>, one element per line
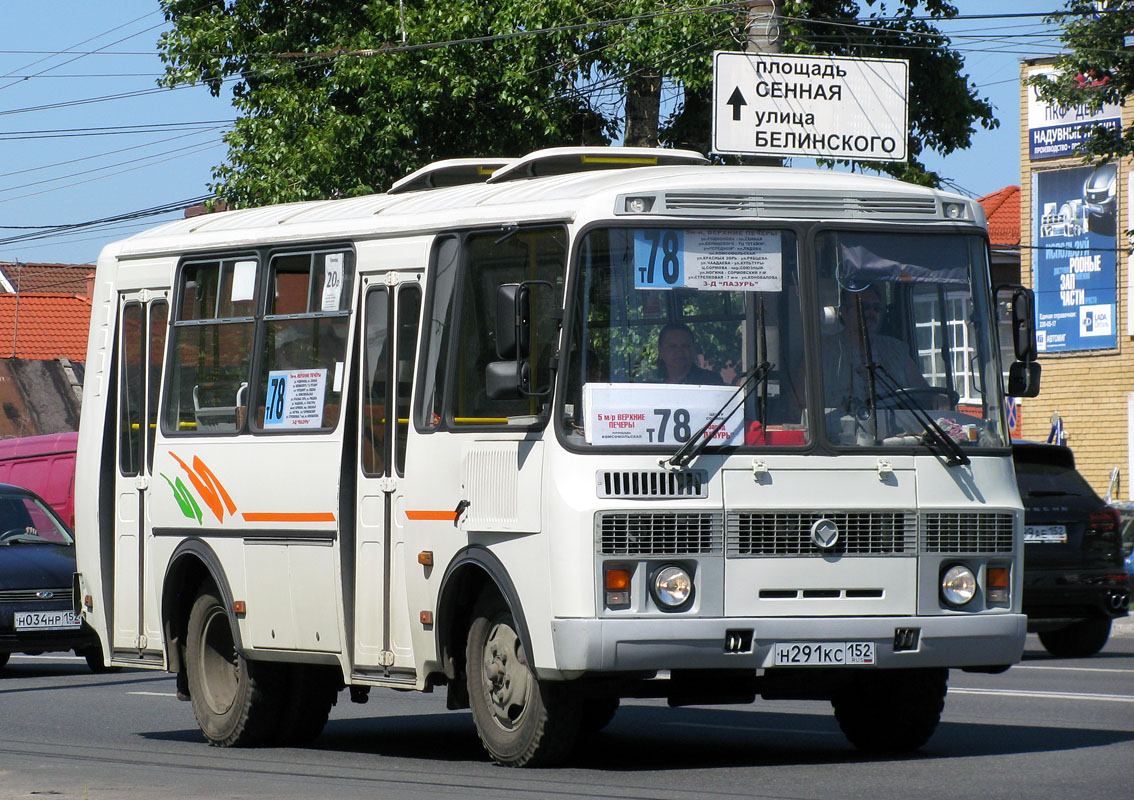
<point>230,694</point>
<point>521,720</point>
<point>892,711</point>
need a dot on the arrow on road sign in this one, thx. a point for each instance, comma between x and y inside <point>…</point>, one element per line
<point>736,100</point>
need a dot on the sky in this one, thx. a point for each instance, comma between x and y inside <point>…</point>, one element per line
<point>86,135</point>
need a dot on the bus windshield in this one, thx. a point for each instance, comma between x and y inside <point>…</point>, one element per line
<point>890,348</point>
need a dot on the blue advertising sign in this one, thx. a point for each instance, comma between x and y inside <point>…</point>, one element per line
<point>1055,131</point>
<point>1074,230</point>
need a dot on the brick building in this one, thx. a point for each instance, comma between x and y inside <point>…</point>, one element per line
<point>1074,255</point>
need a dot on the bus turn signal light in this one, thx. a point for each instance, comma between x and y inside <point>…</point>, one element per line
<point>617,580</point>
<point>998,586</point>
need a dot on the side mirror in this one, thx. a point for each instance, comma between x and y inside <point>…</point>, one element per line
<point>513,321</point>
<point>1024,379</point>
<point>1022,319</point>
<point>511,377</point>
<point>507,380</point>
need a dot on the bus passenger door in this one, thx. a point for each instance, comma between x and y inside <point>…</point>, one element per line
<point>391,317</point>
<point>142,321</point>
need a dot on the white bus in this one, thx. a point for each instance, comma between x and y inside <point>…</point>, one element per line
<point>551,432</point>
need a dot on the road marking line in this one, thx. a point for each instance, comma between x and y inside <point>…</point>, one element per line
<point>154,694</point>
<point>1071,669</point>
<point>1110,698</point>
<point>48,658</point>
<point>753,728</point>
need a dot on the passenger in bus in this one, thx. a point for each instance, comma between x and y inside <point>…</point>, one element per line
<point>845,382</point>
<point>676,356</point>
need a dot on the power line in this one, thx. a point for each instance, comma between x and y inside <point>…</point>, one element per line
<point>113,130</point>
<point>165,208</point>
<point>100,155</point>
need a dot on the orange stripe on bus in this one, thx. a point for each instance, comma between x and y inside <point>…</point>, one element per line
<point>448,516</point>
<point>268,516</point>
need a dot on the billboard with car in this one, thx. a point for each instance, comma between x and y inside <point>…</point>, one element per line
<point>1074,222</point>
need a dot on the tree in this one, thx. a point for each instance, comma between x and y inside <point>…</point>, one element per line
<point>1097,67</point>
<point>342,97</point>
<point>332,104</point>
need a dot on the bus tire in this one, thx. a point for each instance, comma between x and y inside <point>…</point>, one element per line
<point>4,659</point>
<point>310,693</point>
<point>892,711</point>
<point>1085,638</point>
<point>521,720</point>
<point>231,696</point>
<point>95,663</point>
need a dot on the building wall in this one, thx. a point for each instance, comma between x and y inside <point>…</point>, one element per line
<point>1090,390</point>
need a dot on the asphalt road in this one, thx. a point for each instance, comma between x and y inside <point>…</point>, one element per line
<point>1048,728</point>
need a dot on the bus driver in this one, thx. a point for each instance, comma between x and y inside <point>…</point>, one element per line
<point>676,353</point>
<point>845,382</point>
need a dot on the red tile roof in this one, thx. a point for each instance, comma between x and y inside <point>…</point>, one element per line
<point>51,278</point>
<point>44,326</point>
<point>1003,212</point>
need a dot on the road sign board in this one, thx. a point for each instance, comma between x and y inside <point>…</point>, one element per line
<point>813,106</point>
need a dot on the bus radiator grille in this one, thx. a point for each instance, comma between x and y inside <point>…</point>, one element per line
<point>863,533</point>
<point>659,533</point>
<point>952,532</point>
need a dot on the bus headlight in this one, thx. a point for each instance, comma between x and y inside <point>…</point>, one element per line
<point>672,587</point>
<point>958,585</point>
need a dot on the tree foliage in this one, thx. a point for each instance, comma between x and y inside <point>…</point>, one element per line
<point>342,97</point>
<point>1096,67</point>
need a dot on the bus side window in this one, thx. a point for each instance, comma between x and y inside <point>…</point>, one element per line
<point>493,260</point>
<point>209,356</point>
<point>305,331</point>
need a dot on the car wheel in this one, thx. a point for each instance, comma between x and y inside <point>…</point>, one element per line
<point>892,711</point>
<point>521,720</point>
<point>1085,638</point>
<point>95,662</point>
<point>235,700</point>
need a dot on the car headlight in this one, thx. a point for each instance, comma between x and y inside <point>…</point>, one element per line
<point>958,585</point>
<point>672,587</point>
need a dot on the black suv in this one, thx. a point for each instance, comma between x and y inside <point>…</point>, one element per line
<point>1074,579</point>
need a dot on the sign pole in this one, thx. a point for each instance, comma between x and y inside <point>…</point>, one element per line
<point>763,37</point>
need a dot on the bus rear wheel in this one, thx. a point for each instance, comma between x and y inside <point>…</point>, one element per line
<point>231,695</point>
<point>521,720</point>
<point>310,692</point>
<point>892,711</point>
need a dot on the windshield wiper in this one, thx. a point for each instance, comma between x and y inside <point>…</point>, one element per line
<point>933,435</point>
<point>697,443</point>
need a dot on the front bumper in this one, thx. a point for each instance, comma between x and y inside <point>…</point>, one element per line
<point>48,641</point>
<point>625,645</point>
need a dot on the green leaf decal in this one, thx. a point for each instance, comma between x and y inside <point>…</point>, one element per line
<point>184,498</point>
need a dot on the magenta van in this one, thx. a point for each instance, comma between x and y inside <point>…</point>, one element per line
<point>46,465</point>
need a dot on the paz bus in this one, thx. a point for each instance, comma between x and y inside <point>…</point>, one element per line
<point>553,432</point>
